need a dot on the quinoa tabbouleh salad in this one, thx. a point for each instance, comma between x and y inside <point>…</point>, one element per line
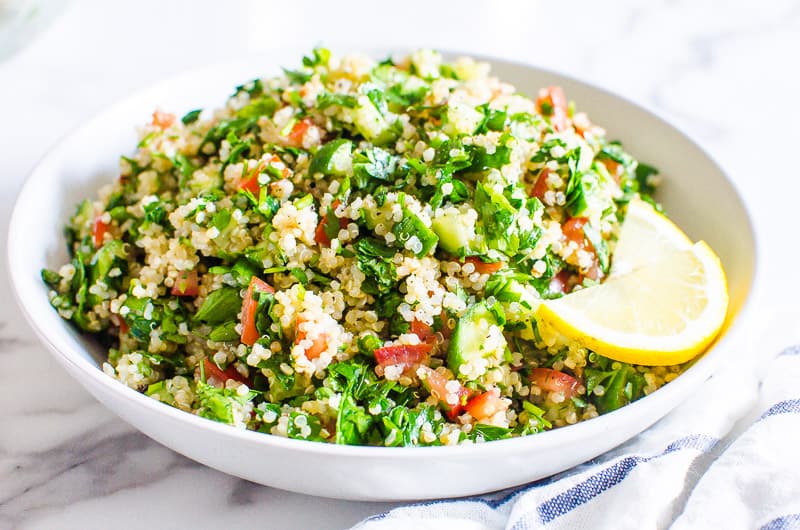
<point>353,252</point>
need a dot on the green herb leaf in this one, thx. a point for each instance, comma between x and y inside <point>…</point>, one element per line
<point>217,403</point>
<point>411,226</point>
<point>221,219</point>
<point>297,77</point>
<point>319,57</point>
<point>482,160</point>
<point>375,163</point>
<point>328,99</point>
<point>326,158</point>
<point>490,432</point>
<point>51,278</point>
<point>300,275</point>
<point>220,306</point>
<point>224,332</point>
<point>375,261</point>
<point>264,106</point>
<point>643,173</point>
<point>622,384</point>
<point>191,116</point>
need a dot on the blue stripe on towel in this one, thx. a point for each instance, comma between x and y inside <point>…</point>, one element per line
<point>496,501</point>
<point>790,406</point>
<point>593,486</point>
<point>579,494</point>
<point>791,350</point>
<point>786,522</point>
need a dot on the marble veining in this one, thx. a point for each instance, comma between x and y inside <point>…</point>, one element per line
<point>725,72</point>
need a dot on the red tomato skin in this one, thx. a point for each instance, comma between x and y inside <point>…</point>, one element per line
<point>186,284</point>
<point>249,305</point>
<point>540,187</point>
<point>486,405</point>
<point>250,181</point>
<point>422,330</point>
<point>297,133</point>
<point>163,120</point>
<point>405,354</point>
<point>436,384</point>
<point>320,235</point>
<point>573,231</point>
<point>554,98</point>
<point>613,168</point>
<point>319,345</point>
<point>118,321</point>
<point>555,381</point>
<point>483,267</point>
<point>99,230</point>
<point>214,371</point>
<point>558,283</point>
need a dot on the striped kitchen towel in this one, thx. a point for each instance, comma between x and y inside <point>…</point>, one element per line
<point>725,459</point>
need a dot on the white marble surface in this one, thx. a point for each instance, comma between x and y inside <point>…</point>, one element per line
<point>724,71</point>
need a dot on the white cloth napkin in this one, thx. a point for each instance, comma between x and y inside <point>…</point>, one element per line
<point>725,459</point>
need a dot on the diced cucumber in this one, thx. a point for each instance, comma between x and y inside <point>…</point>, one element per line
<point>372,124</point>
<point>82,221</point>
<point>110,255</point>
<point>370,219</point>
<point>469,342</point>
<point>426,63</point>
<point>456,231</point>
<point>203,182</point>
<point>333,158</point>
<point>278,391</point>
<point>412,226</point>
<point>462,119</point>
<point>159,391</point>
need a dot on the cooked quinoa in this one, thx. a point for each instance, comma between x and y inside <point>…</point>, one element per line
<point>352,252</point>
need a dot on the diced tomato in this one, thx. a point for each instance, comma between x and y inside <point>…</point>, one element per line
<point>186,284</point>
<point>249,306</point>
<point>422,330</point>
<point>162,120</point>
<point>573,231</point>
<point>99,230</point>
<point>436,384</point>
<point>613,168</point>
<point>118,321</point>
<point>405,354</point>
<point>540,187</point>
<point>321,235</point>
<point>592,272</point>
<point>553,103</point>
<point>319,345</point>
<point>486,405</point>
<point>558,283</point>
<point>554,381</point>
<point>250,181</point>
<point>483,267</point>
<point>213,371</point>
<point>297,133</point>
<point>251,184</point>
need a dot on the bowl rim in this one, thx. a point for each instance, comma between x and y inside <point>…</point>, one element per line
<point>70,357</point>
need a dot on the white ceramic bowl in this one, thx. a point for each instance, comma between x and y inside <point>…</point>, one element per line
<point>695,192</point>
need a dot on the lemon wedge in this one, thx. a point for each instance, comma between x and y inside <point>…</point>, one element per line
<point>645,236</point>
<point>662,313</point>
